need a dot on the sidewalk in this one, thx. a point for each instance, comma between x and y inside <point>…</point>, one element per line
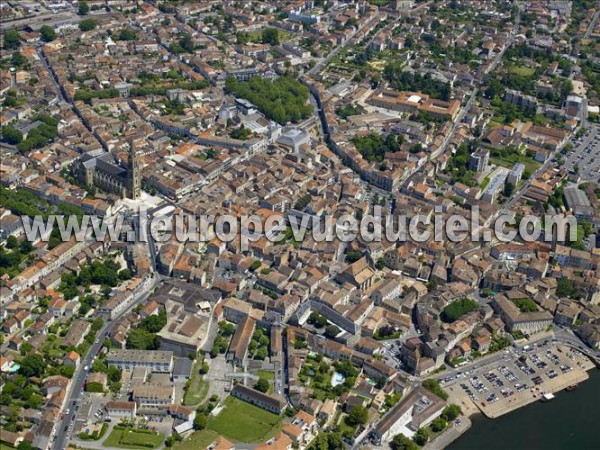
<point>452,433</point>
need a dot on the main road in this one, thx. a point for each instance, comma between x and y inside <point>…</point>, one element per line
<point>591,26</point>
<point>64,425</point>
<point>491,67</point>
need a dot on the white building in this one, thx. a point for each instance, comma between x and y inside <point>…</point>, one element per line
<point>119,409</point>
<point>153,360</point>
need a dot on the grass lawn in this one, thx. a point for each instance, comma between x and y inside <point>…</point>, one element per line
<point>198,439</point>
<point>256,36</point>
<point>197,387</point>
<point>524,71</point>
<point>5,446</point>
<point>96,435</point>
<point>343,427</point>
<point>484,183</point>
<point>268,375</point>
<point>531,165</point>
<point>52,347</point>
<point>129,438</point>
<point>243,422</point>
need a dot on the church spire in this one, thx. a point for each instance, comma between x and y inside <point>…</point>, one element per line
<point>134,176</point>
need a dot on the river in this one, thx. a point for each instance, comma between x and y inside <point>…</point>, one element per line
<point>571,420</point>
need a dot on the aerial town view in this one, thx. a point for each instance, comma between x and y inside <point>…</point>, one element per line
<point>299,224</point>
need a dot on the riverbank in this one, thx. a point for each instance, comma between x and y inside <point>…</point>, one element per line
<point>473,407</point>
<point>568,421</point>
<point>520,399</point>
<point>452,433</point>
<point>471,404</point>
<point>580,366</point>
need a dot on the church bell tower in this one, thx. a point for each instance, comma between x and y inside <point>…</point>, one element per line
<point>134,177</point>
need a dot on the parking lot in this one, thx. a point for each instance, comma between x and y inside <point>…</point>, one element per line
<point>585,155</point>
<point>89,410</point>
<point>513,382</point>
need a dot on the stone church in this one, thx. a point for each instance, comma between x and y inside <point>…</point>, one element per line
<point>105,173</point>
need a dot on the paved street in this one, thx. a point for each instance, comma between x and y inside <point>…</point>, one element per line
<point>63,428</point>
<point>452,433</point>
<point>217,374</point>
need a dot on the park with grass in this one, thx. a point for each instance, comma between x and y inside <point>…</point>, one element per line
<point>197,440</point>
<point>241,422</point>
<point>523,71</point>
<point>133,438</point>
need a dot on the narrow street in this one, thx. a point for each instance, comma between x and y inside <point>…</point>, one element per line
<point>63,428</point>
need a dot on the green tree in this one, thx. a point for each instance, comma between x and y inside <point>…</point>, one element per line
<point>67,371</point>
<point>32,365</point>
<point>127,34</point>
<point>317,319</point>
<point>374,146</point>
<point>434,386</point>
<point>262,385</point>
<point>87,24</point>
<point>327,441</point>
<point>401,442</point>
<point>261,354</point>
<point>432,285</point>
<point>242,37</point>
<point>353,256</point>
<point>125,274</point>
<point>97,324</point>
<point>331,331</point>
<point>587,227</point>
<point>141,339</point>
<point>12,39</point>
<point>11,135</point>
<point>509,188</point>
<point>187,43</point>
<point>438,424</point>
<point>200,421</point>
<point>12,242</point>
<point>47,33</point>
<point>565,288</point>
<point>451,412</point>
<point>421,437</point>
<point>226,328</point>
<point>241,133</point>
<point>25,247</point>
<point>24,445</point>
<point>114,374</point>
<point>282,100</point>
<point>83,8</point>
<point>359,415</point>
<point>155,322</point>
<point>457,309</point>
<point>270,36</point>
